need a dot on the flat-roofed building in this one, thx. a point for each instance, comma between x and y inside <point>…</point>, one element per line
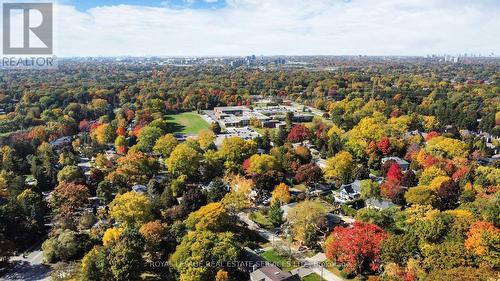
<point>230,110</point>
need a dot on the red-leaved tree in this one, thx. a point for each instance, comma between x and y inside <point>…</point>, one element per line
<point>356,247</point>
<point>390,189</point>
<point>298,133</point>
<point>394,173</point>
<point>431,135</point>
<point>384,145</point>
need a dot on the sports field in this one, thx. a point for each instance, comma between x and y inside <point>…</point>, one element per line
<point>187,123</point>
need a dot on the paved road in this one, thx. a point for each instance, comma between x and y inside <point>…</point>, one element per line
<point>29,268</point>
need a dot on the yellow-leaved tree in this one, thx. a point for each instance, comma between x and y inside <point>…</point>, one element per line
<point>339,167</point>
<point>130,208</point>
<point>281,194</point>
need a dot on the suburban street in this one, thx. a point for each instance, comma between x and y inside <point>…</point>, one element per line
<point>309,263</point>
<point>29,268</point>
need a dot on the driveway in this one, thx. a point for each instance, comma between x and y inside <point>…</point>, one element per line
<point>29,268</point>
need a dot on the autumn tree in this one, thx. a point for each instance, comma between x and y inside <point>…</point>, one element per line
<point>339,167</point>
<point>206,138</point>
<point>421,195</point>
<point>133,168</point>
<point>281,194</point>
<point>259,164</point>
<point>409,179</point>
<point>307,218</point>
<point>214,250</point>
<point>184,160</point>
<point>235,150</point>
<point>67,199</point>
<point>153,233</point>
<point>430,174</point>
<point>130,208</point>
<point>104,133</point>
<point>165,145</point>
<point>448,193</point>
<point>390,189</point>
<point>308,174</point>
<point>211,217</point>
<point>298,133</point>
<point>483,240</point>
<point>446,147</point>
<point>394,174</point>
<point>147,138</point>
<point>357,247</point>
<point>384,145</point>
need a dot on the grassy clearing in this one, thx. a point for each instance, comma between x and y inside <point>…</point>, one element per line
<point>261,219</point>
<point>280,261</point>
<point>301,187</point>
<point>312,277</point>
<point>333,269</point>
<point>262,131</point>
<point>188,123</point>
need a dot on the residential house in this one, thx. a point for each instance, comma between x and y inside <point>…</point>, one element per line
<point>348,192</point>
<point>272,273</point>
<point>403,164</point>
<point>379,204</point>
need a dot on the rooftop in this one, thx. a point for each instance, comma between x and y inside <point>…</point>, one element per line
<point>272,273</point>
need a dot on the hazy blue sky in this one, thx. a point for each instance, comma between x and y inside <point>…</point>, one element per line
<point>274,27</point>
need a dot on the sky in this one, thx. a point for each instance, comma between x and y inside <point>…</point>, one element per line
<point>276,27</point>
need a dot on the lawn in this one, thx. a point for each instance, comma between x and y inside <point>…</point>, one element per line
<point>262,131</point>
<point>312,277</point>
<point>280,261</point>
<point>259,218</point>
<point>188,123</point>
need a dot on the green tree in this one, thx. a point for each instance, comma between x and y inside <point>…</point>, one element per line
<point>276,214</point>
<point>370,189</point>
<point>147,138</point>
<point>70,174</point>
<point>125,257</point>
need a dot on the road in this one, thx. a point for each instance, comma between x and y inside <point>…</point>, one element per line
<point>29,268</point>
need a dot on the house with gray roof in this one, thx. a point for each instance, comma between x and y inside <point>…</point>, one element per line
<point>348,192</point>
<point>403,164</point>
<point>379,204</point>
<point>272,273</point>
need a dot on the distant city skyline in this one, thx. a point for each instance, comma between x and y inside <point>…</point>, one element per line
<point>244,27</point>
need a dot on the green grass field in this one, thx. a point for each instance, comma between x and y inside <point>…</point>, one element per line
<point>188,123</point>
<point>280,261</point>
<point>262,220</point>
<point>312,277</point>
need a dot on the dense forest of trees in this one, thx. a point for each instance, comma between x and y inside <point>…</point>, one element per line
<point>444,119</point>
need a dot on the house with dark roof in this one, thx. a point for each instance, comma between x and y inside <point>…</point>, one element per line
<point>348,192</point>
<point>272,273</point>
